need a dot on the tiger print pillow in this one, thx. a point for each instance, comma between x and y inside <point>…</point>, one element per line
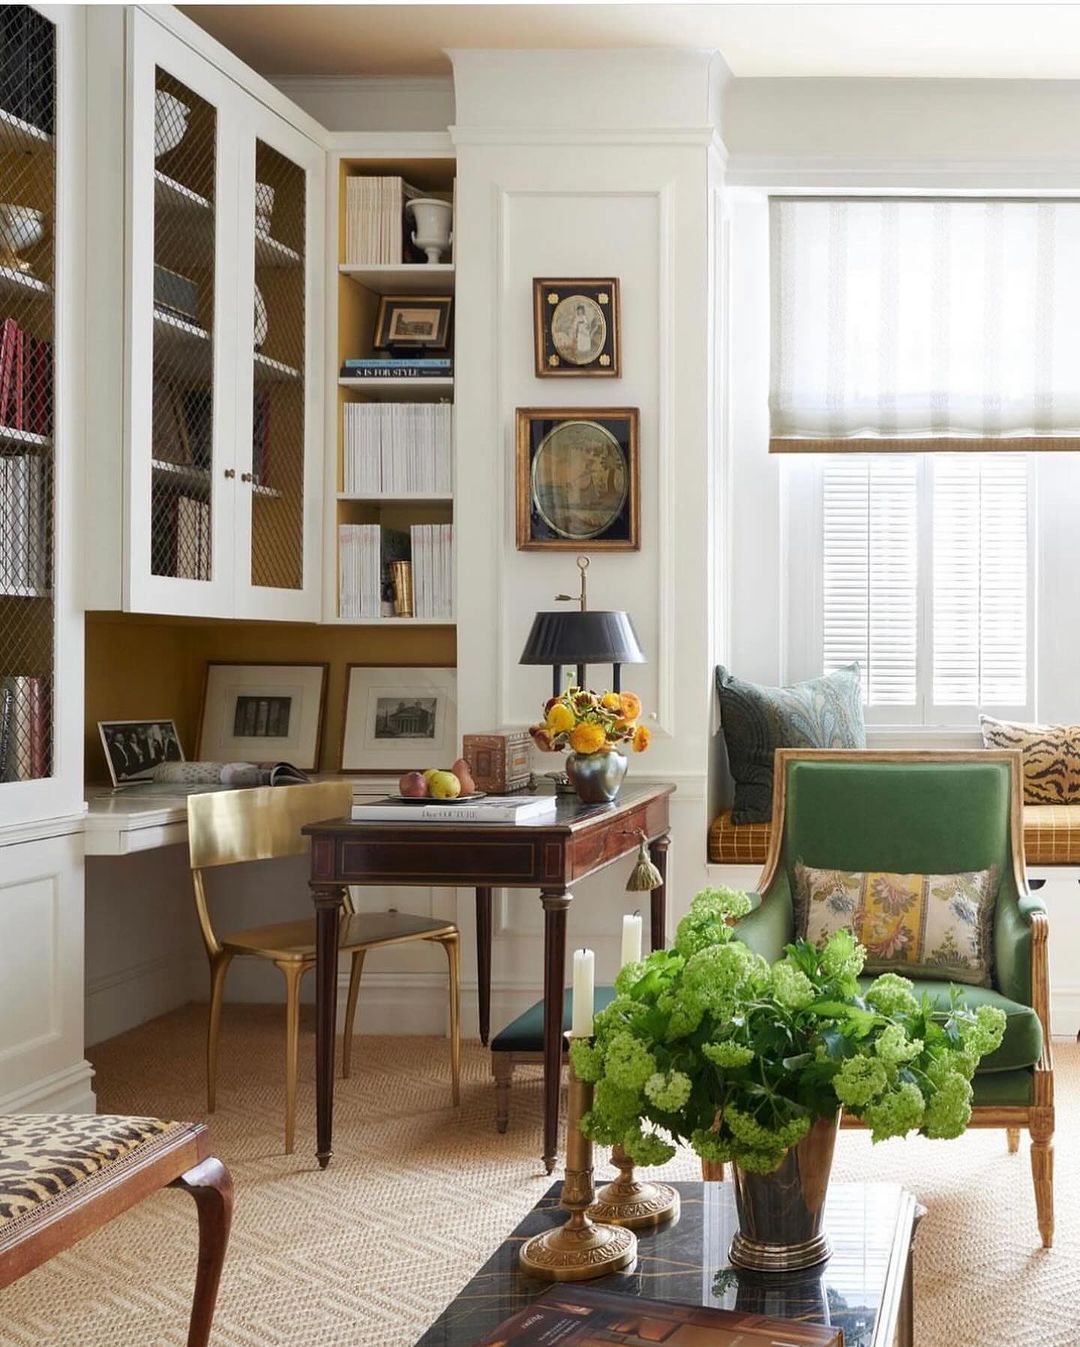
<point>1051,756</point>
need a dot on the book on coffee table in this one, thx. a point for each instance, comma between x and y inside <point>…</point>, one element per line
<point>517,809</point>
<point>584,1318</point>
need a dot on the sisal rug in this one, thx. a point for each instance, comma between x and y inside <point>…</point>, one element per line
<point>417,1196</point>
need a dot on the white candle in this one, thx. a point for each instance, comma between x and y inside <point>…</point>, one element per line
<point>582,1014</point>
<point>631,939</point>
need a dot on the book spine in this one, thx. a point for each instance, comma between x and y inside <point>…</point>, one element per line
<point>394,372</point>
<point>8,340</point>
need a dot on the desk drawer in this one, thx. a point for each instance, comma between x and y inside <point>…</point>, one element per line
<point>440,861</point>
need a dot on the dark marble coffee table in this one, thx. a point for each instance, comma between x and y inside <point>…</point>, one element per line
<point>864,1288</point>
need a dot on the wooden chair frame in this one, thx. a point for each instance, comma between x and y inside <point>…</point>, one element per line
<point>1038,1116</point>
<point>177,1159</point>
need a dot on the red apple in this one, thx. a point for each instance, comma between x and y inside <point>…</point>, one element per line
<point>413,786</point>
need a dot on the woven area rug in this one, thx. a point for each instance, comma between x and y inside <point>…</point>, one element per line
<point>368,1253</point>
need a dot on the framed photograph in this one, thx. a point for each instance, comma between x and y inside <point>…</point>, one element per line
<point>398,719</point>
<point>133,748</point>
<point>577,479</point>
<point>576,328</point>
<point>263,713</point>
<point>413,323</point>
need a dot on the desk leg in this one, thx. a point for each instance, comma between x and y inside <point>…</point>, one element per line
<point>483,961</point>
<point>555,908</point>
<point>329,900</point>
<point>658,915</point>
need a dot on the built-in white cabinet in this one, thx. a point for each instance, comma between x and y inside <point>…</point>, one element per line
<point>210,427</point>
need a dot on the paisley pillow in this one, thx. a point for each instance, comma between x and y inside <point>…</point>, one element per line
<point>820,713</point>
<point>933,926</point>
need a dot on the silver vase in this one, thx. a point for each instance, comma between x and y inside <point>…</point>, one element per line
<point>596,776</point>
<point>780,1214</point>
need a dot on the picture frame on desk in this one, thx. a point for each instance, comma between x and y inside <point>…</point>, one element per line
<point>133,748</point>
<point>398,719</point>
<point>263,713</point>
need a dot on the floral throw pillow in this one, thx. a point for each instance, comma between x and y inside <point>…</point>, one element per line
<point>935,926</point>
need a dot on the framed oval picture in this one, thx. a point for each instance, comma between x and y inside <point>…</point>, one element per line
<point>577,479</point>
<point>576,328</point>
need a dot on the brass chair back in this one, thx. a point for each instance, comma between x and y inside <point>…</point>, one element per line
<point>229,827</point>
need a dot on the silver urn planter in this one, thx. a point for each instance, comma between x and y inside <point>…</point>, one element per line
<point>596,777</point>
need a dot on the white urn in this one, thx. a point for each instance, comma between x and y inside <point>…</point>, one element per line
<point>432,218</point>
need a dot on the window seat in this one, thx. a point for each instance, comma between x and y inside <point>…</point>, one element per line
<point>1051,837</point>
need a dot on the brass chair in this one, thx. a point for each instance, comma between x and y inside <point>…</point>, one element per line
<point>234,826</point>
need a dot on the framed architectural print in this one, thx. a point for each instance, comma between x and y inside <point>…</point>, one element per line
<point>576,328</point>
<point>133,748</point>
<point>577,479</point>
<point>398,719</point>
<point>263,713</point>
<point>413,323</point>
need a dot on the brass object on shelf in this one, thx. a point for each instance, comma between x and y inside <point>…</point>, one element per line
<point>582,1248</point>
<point>401,578</point>
<point>632,1203</point>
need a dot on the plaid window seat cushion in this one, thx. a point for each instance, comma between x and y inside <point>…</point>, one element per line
<point>45,1155</point>
<point>1051,837</point>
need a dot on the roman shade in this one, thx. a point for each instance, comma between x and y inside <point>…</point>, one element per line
<point>921,324</point>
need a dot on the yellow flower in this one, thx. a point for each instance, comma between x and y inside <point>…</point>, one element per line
<point>587,738</point>
<point>560,718</point>
<point>631,705</point>
<point>642,738</point>
<point>611,701</point>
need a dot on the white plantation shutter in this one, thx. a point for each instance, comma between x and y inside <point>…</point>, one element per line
<point>924,324</point>
<point>870,574</point>
<point>980,588</point>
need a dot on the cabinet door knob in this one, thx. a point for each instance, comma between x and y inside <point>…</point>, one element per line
<point>247,477</point>
<point>230,472</point>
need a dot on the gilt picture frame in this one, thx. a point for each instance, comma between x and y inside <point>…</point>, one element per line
<point>413,323</point>
<point>578,479</point>
<point>576,328</point>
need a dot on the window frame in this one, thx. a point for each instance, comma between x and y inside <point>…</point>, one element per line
<point>802,618</point>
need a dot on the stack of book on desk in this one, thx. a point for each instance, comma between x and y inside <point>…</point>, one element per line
<point>504,809</point>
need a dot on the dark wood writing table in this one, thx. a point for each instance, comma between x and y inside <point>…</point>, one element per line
<point>550,856</point>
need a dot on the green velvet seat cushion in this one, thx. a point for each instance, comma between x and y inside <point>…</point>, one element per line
<point>1023,1039</point>
<point>526,1033</point>
<point>1004,1089</point>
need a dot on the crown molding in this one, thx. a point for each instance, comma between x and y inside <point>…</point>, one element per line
<point>544,135</point>
<point>793,171</point>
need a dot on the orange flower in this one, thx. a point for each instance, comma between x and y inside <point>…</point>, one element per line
<point>631,705</point>
<point>587,738</point>
<point>559,718</point>
<point>611,701</point>
<point>642,738</point>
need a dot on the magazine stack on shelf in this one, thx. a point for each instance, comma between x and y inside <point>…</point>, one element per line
<point>433,570</point>
<point>24,497</point>
<point>375,221</point>
<point>397,448</point>
<point>398,367</point>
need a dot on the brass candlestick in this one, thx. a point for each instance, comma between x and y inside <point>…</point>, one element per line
<point>629,1202</point>
<point>582,1248</point>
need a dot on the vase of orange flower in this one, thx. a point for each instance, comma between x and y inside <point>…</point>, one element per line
<point>593,728</point>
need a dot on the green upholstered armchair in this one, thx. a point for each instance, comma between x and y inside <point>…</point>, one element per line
<point>930,813</point>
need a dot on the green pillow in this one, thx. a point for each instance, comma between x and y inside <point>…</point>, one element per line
<point>820,713</point>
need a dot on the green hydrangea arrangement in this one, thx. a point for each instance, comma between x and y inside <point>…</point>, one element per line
<point>706,1043</point>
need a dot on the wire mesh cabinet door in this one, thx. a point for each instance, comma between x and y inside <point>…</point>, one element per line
<point>182,129</point>
<point>280,390</point>
<point>42,196</point>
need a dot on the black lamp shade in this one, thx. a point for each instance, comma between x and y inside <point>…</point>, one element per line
<point>582,638</point>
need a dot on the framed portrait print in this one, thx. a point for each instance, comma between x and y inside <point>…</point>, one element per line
<point>413,323</point>
<point>577,479</point>
<point>398,719</point>
<point>263,713</point>
<point>133,748</point>
<point>576,328</point>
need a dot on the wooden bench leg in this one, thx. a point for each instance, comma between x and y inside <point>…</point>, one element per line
<point>502,1068</point>
<point>211,1185</point>
<point>1012,1136</point>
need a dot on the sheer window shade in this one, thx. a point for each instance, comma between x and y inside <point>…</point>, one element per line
<point>924,324</point>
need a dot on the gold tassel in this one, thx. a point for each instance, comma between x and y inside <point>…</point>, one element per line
<point>645,876</point>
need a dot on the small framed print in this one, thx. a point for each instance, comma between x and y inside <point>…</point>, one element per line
<point>577,479</point>
<point>263,713</point>
<point>398,719</point>
<point>576,328</point>
<point>133,748</point>
<point>413,323</point>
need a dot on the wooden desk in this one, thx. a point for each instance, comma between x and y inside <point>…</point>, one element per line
<point>551,856</point>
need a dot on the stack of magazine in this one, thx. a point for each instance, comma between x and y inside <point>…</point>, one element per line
<point>397,448</point>
<point>375,220</point>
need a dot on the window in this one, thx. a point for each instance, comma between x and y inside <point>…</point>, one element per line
<point>925,581</point>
